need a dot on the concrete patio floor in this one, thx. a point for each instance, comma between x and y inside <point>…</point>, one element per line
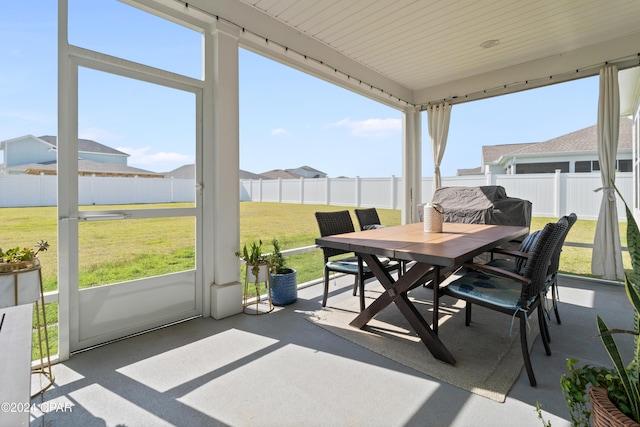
<point>279,369</point>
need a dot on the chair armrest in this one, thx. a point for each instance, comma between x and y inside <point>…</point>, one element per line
<point>497,271</point>
<point>510,252</point>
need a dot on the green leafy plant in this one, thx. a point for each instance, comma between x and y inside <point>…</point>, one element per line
<point>621,381</point>
<point>253,256</point>
<point>277,262</point>
<point>538,410</point>
<point>18,254</point>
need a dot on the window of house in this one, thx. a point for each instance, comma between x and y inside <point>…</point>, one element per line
<point>583,166</point>
<point>594,166</point>
<point>625,165</point>
<point>549,167</point>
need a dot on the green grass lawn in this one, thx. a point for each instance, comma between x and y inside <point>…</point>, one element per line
<point>164,245</point>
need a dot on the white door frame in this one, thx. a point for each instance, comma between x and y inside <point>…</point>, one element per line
<point>93,316</point>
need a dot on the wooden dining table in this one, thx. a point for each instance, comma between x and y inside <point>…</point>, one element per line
<point>433,254</point>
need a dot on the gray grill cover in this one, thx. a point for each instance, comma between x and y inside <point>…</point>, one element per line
<point>481,205</point>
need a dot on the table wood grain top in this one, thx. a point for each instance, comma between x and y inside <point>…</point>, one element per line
<point>456,244</point>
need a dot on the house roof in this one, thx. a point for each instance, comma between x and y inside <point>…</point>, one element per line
<point>86,167</point>
<point>249,175</point>
<point>581,140</point>
<point>307,169</point>
<point>279,173</point>
<point>86,146</point>
<point>183,172</point>
<point>472,171</point>
<point>189,172</point>
<point>492,153</point>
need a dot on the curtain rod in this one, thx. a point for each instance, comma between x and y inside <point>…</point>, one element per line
<point>588,71</point>
<point>288,50</point>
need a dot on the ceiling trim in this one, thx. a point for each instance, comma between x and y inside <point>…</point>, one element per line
<point>269,37</point>
<point>623,52</point>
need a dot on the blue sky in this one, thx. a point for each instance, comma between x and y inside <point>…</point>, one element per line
<point>287,119</point>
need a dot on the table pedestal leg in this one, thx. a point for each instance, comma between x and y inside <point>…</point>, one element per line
<point>397,293</point>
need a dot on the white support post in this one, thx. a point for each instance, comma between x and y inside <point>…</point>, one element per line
<point>221,152</point>
<point>357,189</point>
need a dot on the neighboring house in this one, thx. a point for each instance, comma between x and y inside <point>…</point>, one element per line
<point>183,172</point>
<point>36,155</point>
<point>249,175</point>
<point>574,152</point>
<point>295,173</point>
<point>189,172</point>
<point>307,172</point>
<point>279,173</point>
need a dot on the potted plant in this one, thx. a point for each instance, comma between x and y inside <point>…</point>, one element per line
<point>614,393</point>
<point>284,286</point>
<point>20,276</point>
<point>256,262</point>
<point>21,258</point>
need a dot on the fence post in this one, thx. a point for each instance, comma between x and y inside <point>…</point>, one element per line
<point>41,189</point>
<point>326,190</point>
<point>393,192</point>
<point>357,183</point>
<point>260,189</point>
<point>279,190</point>
<point>302,190</point>
<point>94,196</point>
<point>557,195</point>
<point>489,178</point>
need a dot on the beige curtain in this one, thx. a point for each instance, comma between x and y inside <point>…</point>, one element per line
<point>438,117</point>
<point>606,260</point>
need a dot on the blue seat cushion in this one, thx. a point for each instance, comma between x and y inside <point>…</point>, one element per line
<point>498,291</point>
<point>350,265</point>
<point>372,227</point>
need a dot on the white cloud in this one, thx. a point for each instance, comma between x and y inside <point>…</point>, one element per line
<point>280,131</point>
<point>160,162</point>
<point>27,116</point>
<point>369,127</point>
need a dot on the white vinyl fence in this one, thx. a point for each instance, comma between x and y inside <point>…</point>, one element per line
<point>41,190</point>
<point>552,194</point>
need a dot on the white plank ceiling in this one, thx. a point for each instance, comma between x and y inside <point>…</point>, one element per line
<point>418,52</point>
<point>426,43</point>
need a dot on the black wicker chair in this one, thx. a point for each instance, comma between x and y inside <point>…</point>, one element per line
<point>554,265</point>
<point>340,222</point>
<point>368,219</point>
<point>517,295</point>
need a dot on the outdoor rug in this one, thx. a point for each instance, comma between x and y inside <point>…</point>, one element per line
<point>488,359</point>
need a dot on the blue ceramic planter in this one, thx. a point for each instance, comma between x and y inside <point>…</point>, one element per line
<point>284,288</point>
